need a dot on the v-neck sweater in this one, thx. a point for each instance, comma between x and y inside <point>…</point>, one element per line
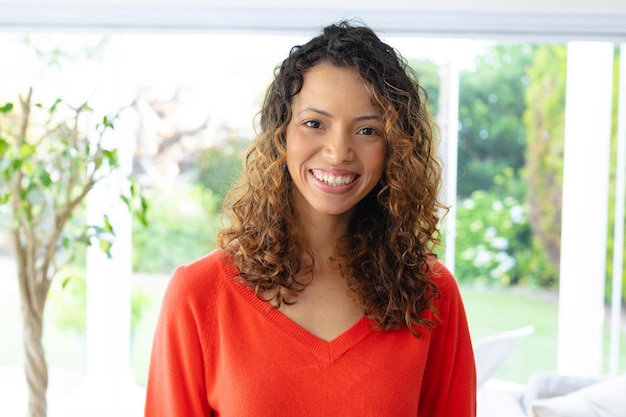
<point>220,351</point>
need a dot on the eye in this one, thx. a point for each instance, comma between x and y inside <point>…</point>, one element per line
<point>369,131</point>
<point>314,124</point>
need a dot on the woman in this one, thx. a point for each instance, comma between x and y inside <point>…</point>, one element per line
<point>325,297</point>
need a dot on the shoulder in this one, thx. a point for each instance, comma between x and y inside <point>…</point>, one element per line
<point>447,285</point>
<point>217,261</point>
<point>441,276</point>
<point>201,279</point>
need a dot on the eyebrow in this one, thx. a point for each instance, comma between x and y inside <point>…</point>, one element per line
<point>327,114</point>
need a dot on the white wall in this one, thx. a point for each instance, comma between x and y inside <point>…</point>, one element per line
<point>562,19</point>
<point>539,6</point>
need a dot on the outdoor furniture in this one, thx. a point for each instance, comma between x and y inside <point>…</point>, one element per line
<point>546,394</point>
<point>492,352</point>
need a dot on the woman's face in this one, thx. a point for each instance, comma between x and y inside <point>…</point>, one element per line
<point>335,144</point>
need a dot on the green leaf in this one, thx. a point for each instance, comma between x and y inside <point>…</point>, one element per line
<point>4,146</point>
<point>26,151</point>
<point>6,108</point>
<point>15,164</point>
<point>107,224</point>
<point>27,168</point>
<point>66,242</point>
<point>106,245</point>
<point>142,215</point>
<point>136,202</point>
<point>107,123</point>
<point>111,157</point>
<point>26,207</point>
<point>54,106</point>
<point>44,178</point>
<point>65,281</point>
<point>5,169</point>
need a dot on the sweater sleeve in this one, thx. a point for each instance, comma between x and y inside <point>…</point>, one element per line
<point>176,377</point>
<point>449,384</point>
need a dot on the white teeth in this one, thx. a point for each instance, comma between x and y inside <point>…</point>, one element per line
<point>334,180</point>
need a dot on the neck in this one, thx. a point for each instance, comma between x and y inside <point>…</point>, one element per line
<point>321,234</point>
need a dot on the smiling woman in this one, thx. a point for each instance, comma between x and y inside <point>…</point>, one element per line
<point>328,288</point>
<point>335,142</point>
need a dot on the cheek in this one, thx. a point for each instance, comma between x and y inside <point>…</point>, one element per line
<point>294,155</point>
<point>378,159</point>
<point>298,149</point>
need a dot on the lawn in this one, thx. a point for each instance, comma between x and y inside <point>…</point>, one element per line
<point>492,311</point>
<point>489,311</point>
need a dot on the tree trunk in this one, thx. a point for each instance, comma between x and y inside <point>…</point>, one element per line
<point>33,292</point>
<point>35,366</point>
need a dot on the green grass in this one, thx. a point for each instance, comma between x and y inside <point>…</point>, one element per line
<point>489,311</point>
<point>493,311</point>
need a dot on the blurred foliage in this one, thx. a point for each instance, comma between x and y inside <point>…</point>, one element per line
<point>68,302</point>
<point>614,138</point>
<point>493,238</point>
<point>428,73</point>
<point>491,104</point>
<point>183,224</point>
<point>544,119</point>
<point>218,167</point>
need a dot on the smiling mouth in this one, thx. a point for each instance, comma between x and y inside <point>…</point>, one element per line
<point>333,180</point>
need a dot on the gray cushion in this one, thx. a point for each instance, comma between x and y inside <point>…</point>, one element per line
<point>552,384</point>
<point>603,399</point>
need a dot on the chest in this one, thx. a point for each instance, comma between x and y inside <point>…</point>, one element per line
<point>272,366</point>
<point>325,310</point>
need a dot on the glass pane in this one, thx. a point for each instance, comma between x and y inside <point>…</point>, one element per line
<point>189,103</point>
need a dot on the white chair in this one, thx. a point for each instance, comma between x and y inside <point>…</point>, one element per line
<point>492,352</point>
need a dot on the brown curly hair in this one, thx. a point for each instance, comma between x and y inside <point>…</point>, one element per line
<point>386,253</point>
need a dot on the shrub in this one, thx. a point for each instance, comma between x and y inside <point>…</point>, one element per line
<point>494,239</point>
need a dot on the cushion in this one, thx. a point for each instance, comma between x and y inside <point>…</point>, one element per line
<point>603,399</point>
<point>552,384</point>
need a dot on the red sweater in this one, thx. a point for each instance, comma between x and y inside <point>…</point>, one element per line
<point>220,351</point>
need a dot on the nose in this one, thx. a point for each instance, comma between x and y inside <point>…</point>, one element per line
<point>338,148</point>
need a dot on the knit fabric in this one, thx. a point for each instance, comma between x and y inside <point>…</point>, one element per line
<point>220,351</point>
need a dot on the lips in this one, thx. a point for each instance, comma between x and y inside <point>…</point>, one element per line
<point>334,180</point>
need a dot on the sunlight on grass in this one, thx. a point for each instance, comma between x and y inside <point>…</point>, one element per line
<point>495,310</point>
<point>492,311</point>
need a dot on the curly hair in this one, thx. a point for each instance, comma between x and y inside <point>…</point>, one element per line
<point>389,246</point>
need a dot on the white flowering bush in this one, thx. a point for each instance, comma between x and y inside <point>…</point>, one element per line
<point>494,244</point>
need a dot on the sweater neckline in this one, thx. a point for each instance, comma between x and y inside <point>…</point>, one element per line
<point>326,351</point>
